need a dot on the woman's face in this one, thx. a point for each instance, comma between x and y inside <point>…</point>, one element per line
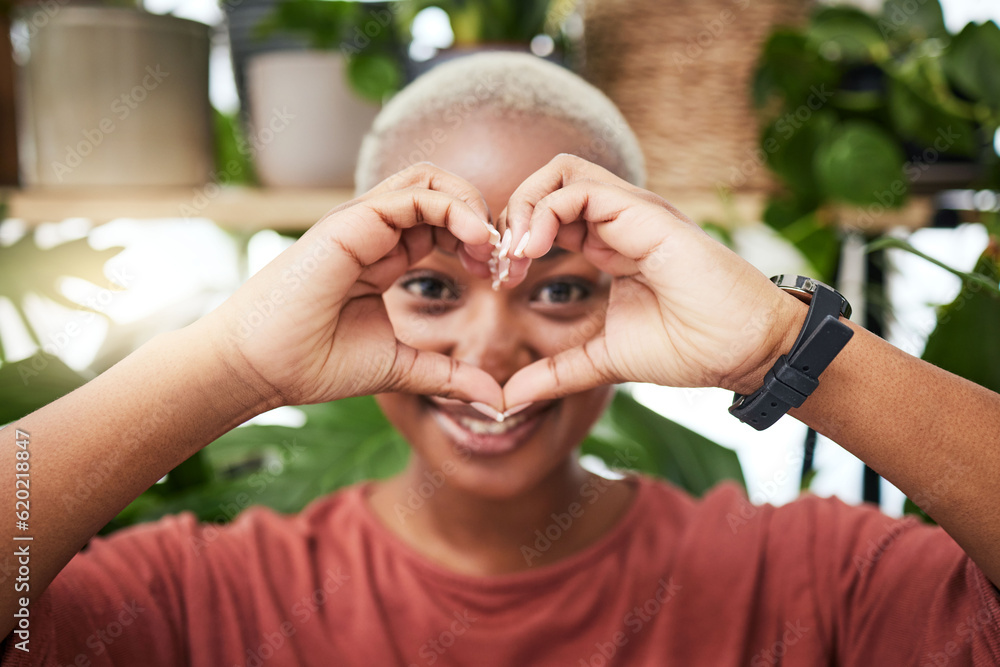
<point>438,306</point>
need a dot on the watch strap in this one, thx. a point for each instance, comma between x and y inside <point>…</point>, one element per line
<point>796,375</point>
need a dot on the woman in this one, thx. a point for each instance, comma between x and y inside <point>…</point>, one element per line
<point>491,300</point>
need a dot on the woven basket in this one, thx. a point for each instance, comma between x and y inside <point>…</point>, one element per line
<point>681,73</point>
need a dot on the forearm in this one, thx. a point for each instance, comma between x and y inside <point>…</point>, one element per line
<point>933,434</point>
<point>96,449</point>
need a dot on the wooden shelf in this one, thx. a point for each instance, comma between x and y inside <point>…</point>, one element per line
<point>233,208</point>
<point>250,209</point>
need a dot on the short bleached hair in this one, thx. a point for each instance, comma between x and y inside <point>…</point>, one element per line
<point>504,85</point>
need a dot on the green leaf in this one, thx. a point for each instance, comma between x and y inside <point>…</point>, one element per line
<point>910,507</point>
<point>973,60</point>
<point>860,163</point>
<point>32,383</point>
<point>790,69</point>
<point>799,224</point>
<point>467,25</point>
<point>790,143</point>
<point>326,23</point>
<point>374,76</point>
<point>964,341</point>
<point>280,467</point>
<point>918,118</point>
<point>27,269</point>
<point>846,33</point>
<point>231,163</point>
<point>976,279</point>
<point>903,23</point>
<point>631,435</point>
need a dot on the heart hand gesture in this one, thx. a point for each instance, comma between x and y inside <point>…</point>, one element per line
<point>311,326</point>
<point>683,311</point>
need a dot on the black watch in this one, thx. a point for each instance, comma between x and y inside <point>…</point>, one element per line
<point>796,375</point>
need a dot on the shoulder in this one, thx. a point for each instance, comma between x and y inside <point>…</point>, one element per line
<point>179,545</point>
<point>826,527</point>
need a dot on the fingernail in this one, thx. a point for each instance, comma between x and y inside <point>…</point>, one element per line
<point>505,243</point>
<point>522,244</point>
<point>514,410</point>
<point>504,269</point>
<point>487,410</point>
<point>494,234</point>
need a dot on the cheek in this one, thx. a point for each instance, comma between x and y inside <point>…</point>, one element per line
<point>402,411</point>
<point>559,335</point>
<point>416,329</point>
<point>584,409</point>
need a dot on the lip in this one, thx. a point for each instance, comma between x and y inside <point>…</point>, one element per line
<point>448,413</point>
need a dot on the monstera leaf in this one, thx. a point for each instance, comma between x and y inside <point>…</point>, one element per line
<point>965,338</point>
<point>631,435</point>
<point>25,268</point>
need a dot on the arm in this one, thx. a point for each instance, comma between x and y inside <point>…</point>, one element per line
<point>325,335</point>
<point>934,435</point>
<point>115,436</point>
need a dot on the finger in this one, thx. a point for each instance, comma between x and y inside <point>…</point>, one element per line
<point>629,225</point>
<point>429,176</point>
<point>371,229</point>
<point>569,236</point>
<point>445,240</point>
<point>474,266</point>
<point>562,170</point>
<point>414,244</point>
<point>430,373</point>
<point>571,371</point>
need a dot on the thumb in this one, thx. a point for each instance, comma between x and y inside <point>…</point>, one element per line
<point>423,372</point>
<point>571,371</point>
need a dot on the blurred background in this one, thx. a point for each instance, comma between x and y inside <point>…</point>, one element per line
<point>155,155</point>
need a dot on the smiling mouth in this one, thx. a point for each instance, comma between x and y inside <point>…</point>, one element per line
<point>473,431</point>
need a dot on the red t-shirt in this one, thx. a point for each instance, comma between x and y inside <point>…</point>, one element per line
<point>678,581</point>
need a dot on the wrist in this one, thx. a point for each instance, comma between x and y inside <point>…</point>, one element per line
<point>787,320</point>
<point>225,378</point>
<point>795,375</point>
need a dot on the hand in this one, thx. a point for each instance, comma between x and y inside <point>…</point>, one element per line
<point>683,311</point>
<point>311,326</point>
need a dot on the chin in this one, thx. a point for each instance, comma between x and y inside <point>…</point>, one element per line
<point>484,458</point>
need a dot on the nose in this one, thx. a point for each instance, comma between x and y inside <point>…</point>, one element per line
<point>491,337</point>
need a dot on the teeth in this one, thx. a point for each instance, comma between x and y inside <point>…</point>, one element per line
<point>481,427</point>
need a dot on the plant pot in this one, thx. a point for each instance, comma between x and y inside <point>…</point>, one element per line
<point>115,96</point>
<point>681,73</point>
<point>306,123</point>
<point>242,21</point>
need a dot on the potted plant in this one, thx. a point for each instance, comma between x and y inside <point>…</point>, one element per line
<point>112,96</point>
<point>310,107</point>
<point>535,26</point>
<point>862,110</point>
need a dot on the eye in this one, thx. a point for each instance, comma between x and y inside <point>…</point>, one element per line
<point>561,291</point>
<point>431,287</point>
